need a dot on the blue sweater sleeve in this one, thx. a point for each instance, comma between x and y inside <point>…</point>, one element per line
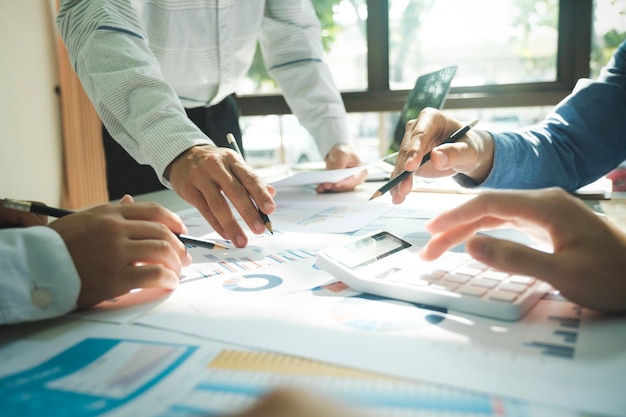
<point>583,138</point>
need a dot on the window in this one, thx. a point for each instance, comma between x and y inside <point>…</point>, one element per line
<point>516,58</point>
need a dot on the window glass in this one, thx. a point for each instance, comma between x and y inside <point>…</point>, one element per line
<point>514,42</point>
<point>343,32</point>
<point>609,31</point>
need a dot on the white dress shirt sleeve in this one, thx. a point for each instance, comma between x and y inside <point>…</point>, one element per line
<point>292,49</point>
<point>38,279</point>
<point>109,50</point>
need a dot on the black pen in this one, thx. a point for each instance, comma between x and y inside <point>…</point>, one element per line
<point>232,142</point>
<point>37,208</point>
<point>398,178</point>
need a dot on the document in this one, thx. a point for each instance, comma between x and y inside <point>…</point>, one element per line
<point>548,357</point>
<point>302,178</point>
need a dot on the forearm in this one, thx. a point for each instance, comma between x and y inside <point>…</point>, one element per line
<point>121,76</point>
<point>292,50</point>
<point>575,145</point>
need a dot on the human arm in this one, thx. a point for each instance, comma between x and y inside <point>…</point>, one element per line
<point>290,40</point>
<point>578,142</point>
<point>108,46</point>
<point>87,257</point>
<point>588,260</point>
<point>116,248</point>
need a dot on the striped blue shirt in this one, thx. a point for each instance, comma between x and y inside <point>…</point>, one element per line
<point>142,62</point>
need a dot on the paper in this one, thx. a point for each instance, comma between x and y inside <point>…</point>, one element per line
<point>91,369</point>
<point>129,371</point>
<point>316,177</point>
<point>548,357</point>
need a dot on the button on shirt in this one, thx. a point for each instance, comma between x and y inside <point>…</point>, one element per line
<point>142,62</point>
<point>38,279</point>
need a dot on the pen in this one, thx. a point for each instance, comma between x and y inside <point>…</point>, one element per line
<point>36,208</point>
<point>398,178</point>
<point>233,145</point>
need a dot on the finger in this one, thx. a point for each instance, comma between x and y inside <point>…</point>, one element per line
<point>248,194</point>
<point>504,205</point>
<point>127,198</point>
<point>347,184</point>
<point>216,210</point>
<point>150,211</point>
<point>255,188</point>
<point>441,242</point>
<point>459,156</point>
<point>150,276</point>
<point>158,235</point>
<point>511,257</point>
<point>156,251</point>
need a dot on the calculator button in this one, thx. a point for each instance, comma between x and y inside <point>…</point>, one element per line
<point>430,277</point>
<point>466,270</point>
<point>444,285</point>
<point>437,273</point>
<point>522,279</point>
<point>486,283</point>
<point>518,288</point>
<point>495,275</point>
<point>478,265</point>
<point>459,279</point>
<point>503,296</point>
<point>472,290</point>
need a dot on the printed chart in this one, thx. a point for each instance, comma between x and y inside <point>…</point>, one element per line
<point>92,377</point>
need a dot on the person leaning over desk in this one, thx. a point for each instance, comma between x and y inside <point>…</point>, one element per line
<point>149,66</point>
<point>582,139</point>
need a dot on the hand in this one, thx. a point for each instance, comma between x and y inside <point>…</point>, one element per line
<point>290,403</point>
<point>339,157</point>
<point>117,248</point>
<point>202,173</point>
<point>589,253</point>
<point>11,218</point>
<point>472,155</point>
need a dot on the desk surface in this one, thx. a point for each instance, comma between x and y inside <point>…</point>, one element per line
<point>443,350</point>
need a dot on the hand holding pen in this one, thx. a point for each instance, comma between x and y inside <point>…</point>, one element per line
<point>111,248</point>
<point>405,174</point>
<point>42,209</point>
<point>264,217</point>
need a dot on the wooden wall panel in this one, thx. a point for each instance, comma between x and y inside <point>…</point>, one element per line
<point>84,177</point>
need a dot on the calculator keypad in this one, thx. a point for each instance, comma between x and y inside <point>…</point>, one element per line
<point>460,274</point>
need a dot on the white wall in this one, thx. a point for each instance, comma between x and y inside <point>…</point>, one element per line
<point>30,118</point>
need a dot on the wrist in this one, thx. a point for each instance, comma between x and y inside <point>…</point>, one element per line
<point>484,144</point>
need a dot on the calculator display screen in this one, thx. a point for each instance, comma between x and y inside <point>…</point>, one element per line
<point>361,252</point>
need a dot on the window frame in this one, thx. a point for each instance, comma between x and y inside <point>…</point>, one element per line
<point>574,49</point>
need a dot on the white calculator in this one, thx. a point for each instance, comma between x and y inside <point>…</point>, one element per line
<point>383,264</point>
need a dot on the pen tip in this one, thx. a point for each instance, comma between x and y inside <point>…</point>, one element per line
<point>375,195</point>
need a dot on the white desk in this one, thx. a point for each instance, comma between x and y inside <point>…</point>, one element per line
<point>293,324</point>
